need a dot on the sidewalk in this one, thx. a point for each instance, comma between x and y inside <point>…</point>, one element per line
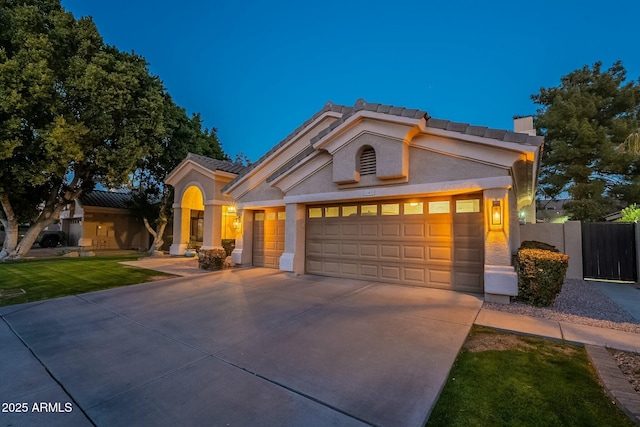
<point>571,332</point>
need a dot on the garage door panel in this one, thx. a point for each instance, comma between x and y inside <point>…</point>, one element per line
<point>332,267</point>
<point>368,250</point>
<point>468,280</point>
<point>331,230</point>
<point>314,230</point>
<point>414,230</point>
<point>474,255</point>
<point>390,272</point>
<point>439,230</point>
<point>369,271</point>
<point>390,251</point>
<point>350,269</point>
<point>349,230</point>
<point>441,277</point>
<point>439,253</point>
<point>390,230</point>
<point>414,253</point>
<point>424,249</point>
<point>368,230</point>
<point>331,249</point>
<point>314,266</point>
<point>415,275</point>
<point>349,249</point>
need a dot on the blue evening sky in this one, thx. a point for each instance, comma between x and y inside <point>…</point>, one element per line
<point>255,70</point>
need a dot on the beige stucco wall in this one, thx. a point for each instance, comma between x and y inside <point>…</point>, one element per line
<point>428,166</point>
<point>264,191</point>
<point>391,158</point>
<point>567,238</point>
<point>424,167</point>
<point>206,184</point>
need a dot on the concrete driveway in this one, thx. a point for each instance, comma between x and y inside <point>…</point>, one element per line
<point>241,347</point>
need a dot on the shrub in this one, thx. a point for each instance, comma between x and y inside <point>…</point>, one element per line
<point>540,275</point>
<point>229,245</point>
<point>211,259</point>
<point>534,244</point>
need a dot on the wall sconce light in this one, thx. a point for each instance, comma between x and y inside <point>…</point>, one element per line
<point>496,213</point>
<point>237,223</point>
<point>231,209</point>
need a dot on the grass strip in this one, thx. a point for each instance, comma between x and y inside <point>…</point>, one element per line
<point>51,278</point>
<point>513,380</point>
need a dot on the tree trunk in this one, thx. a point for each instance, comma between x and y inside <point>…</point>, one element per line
<point>10,228</point>
<point>157,234</point>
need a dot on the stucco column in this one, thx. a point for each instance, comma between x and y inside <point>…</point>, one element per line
<point>500,277</point>
<point>242,254</point>
<point>212,225</point>
<point>180,230</point>
<point>294,244</point>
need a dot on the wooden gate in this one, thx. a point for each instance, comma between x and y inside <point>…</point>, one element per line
<point>609,251</point>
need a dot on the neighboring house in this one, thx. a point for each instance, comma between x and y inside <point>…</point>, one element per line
<point>372,192</point>
<point>102,220</point>
<point>551,210</point>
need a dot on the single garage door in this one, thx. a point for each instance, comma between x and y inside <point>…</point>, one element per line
<point>268,237</point>
<point>435,242</point>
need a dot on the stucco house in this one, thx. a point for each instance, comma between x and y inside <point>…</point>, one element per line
<point>102,220</point>
<point>372,192</point>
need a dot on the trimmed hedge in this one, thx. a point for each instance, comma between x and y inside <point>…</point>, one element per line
<point>211,259</point>
<point>534,244</point>
<point>540,275</point>
<point>229,245</point>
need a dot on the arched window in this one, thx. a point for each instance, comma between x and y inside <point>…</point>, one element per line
<point>367,164</point>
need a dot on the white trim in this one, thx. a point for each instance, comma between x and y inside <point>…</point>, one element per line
<point>449,187</point>
<point>260,204</point>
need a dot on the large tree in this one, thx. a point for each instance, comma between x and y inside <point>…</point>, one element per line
<point>152,199</point>
<point>74,112</point>
<point>585,122</point>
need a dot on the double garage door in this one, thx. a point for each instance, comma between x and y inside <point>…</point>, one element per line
<point>434,242</point>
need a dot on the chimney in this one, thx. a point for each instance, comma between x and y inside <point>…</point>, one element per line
<point>524,125</point>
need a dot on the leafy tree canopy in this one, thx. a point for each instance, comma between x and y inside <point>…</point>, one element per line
<point>630,214</point>
<point>73,112</point>
<point>585,122</point>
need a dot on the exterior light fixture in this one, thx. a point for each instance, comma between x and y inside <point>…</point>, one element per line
<point>231,209</point>
<point>237,223</point>
<point>496,213</point>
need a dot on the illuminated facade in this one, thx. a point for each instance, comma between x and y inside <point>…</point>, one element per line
<point>379,193</point>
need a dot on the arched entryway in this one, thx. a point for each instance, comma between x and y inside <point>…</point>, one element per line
<point>201,223</point>
<point>188,220</point>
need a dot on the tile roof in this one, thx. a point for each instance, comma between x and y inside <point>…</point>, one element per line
<point>215,164</point>
<point>105,199</point>
<point>362,105</point>
<point>485,132</point>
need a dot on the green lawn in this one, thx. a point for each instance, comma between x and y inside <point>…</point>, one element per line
<point>50,278</point>
<point>502,379</point>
